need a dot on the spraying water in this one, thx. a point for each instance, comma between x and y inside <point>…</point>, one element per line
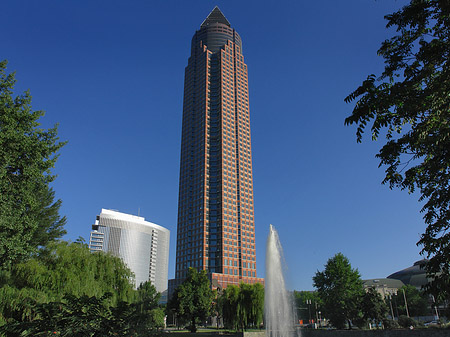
<point>278,307</point>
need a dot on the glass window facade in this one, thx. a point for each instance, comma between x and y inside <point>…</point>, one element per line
<point>142,245</point>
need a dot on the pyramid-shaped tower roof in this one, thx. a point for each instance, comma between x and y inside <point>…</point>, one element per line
<point>216,16</point>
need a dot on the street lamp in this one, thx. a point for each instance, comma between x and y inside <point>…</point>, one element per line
<point>308,302</point>
<point>406,303</point>
<point>390,303</point>
<point>315,310</point>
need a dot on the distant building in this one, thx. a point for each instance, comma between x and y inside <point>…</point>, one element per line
<point>415,275</point>
<point>142,245</point>
<point>384,286</point>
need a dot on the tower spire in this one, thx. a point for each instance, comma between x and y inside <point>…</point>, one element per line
<point>216,16</point>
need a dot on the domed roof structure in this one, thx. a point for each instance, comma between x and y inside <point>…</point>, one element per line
<point>414,275</point>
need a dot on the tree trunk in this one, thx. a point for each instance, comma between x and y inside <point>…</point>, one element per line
<point>193,327</point>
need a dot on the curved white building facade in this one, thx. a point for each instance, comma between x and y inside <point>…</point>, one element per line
<point>142,245</point>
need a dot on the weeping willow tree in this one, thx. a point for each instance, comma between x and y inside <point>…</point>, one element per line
<point>243,306</point>
<point>231,307</point>
<point>58,270</point>
<point>254,299</point>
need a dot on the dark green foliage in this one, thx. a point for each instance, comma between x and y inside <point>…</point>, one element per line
<point>231,307</point>
<point>252,299</point>
<point>147,295</point>
<point>143,317</point>
<point>390,324</point>
<point>62,269</point>
<point>242,307</point>
<point>410,104</point>
<point>307,304</point>
<point>75,316</point>
<point>406,322</point>
<point>147,316</point>
<point>192,301</point>
<point>417,301</point>
<point>373,306</point>
<point>340,290</point>
<point>29,215</point>
<point>92,316</point>
<point>89,316</point>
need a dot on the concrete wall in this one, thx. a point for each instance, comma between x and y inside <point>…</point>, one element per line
<point>365,333</point>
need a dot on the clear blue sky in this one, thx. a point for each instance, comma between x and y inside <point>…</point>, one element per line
<point>111,74</point>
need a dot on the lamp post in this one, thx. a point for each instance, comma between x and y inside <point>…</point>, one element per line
<point>406,303</point>
<point>390,303</point>
<point>395,303</point>
<point>308,302</point>
<point>317,316</point>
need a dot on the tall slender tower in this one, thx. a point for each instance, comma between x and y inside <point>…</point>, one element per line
<point>216,229</point>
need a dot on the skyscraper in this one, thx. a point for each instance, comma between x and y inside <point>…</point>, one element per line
<point>216,229</point>
<point>142,245</point>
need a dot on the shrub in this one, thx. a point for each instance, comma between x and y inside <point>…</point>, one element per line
<point>406,321</point>
<point>390,324</point>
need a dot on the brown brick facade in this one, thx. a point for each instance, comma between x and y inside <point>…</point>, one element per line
<point>216,228</point>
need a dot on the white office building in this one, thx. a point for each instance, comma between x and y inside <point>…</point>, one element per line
<point>142,245</point>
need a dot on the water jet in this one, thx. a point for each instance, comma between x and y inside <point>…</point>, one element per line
<point>279,320</point>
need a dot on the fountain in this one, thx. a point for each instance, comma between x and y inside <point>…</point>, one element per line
<point>278,309</point>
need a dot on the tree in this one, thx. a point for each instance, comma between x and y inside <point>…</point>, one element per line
<point>306,302</point>
<point>62,269</point>
<point>147,315</point>
<point>253,303</point>
<point>406,322</point>
<point>87,316</point>
<point>192,300</point>
<point>29,217</point>
<point>75,316</point>
<point>147,294</point>
<point>415,299</point>
<point>410,104</point>
<point>242,307</point>
<point>98,300</point>
<point>231,307</point>
<point>340,290</point>
<point>373,306</point>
